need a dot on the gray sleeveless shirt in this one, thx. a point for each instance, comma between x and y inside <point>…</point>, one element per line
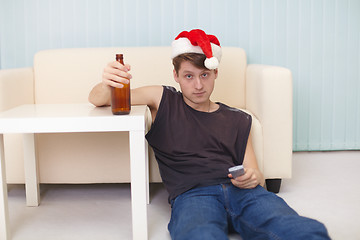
<point>193,148</point>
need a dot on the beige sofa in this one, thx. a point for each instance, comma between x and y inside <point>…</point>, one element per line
<point>68,75</point>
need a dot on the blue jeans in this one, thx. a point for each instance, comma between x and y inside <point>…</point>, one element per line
<point>210,212</point>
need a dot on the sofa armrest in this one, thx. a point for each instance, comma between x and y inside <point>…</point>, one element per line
<point>269,97</point>
<point>16,87</point>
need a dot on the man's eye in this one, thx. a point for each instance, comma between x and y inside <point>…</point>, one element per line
<point>204,75</point>
<point>188,76</point>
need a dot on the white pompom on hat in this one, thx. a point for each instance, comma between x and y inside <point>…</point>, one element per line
<point>197,41</point>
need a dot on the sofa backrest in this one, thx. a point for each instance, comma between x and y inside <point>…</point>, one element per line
<point>68,75</point>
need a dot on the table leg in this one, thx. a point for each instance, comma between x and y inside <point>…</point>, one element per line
<point>148,122</point>
<point>31,171</point>
<point>147,173</point>
<point>147,127</point>
<point>4,210</point>
<point>138,184</point>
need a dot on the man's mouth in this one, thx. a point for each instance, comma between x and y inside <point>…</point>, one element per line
<point>199,93</point>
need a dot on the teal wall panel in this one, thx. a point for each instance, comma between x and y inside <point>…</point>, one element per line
<point>319,40</point>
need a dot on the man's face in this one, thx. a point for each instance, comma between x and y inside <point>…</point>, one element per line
<point>196,85</point>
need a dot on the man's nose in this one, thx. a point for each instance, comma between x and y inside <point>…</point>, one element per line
<point>198,83</point>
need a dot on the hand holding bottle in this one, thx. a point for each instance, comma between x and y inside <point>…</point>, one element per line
<point>116,74</point>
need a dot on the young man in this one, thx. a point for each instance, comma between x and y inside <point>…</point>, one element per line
<point>195,141</point>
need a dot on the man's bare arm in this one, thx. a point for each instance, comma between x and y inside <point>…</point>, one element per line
<point>252,176</point>
<point>100,95</point>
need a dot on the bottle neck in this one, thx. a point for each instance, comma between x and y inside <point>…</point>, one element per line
<point>120,58</point>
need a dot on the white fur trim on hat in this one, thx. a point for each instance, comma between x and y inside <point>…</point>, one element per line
<point>183,45</point>
<point>216,51</point>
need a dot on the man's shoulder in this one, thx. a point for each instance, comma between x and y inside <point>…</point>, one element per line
<point>170,88</point>
<point>170,97</point>
<point>235,111</point>
<point>172,93</point>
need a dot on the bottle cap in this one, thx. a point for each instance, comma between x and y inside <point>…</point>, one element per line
<point>119,56</point>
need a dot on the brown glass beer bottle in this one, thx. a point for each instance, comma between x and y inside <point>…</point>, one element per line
<point>120,97</point>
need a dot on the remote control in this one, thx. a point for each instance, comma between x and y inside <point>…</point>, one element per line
<point>237,171</point>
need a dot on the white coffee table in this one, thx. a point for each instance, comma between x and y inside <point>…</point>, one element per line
<point>66,118</point>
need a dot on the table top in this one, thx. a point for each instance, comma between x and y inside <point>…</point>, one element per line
<point>51,118</point>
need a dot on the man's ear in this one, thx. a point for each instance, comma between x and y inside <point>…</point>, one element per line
<point>176,76</point>
<point>216,73</point>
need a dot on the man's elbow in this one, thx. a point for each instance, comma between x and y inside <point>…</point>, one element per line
<point>97,102</point>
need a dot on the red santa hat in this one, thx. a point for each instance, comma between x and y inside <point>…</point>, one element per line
<point>197,41</point>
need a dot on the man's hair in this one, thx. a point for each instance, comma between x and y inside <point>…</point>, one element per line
<point>197,59</point>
